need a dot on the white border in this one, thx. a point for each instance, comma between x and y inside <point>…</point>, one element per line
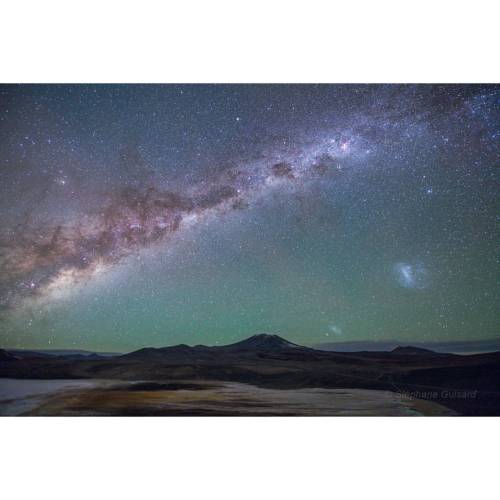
<point>249,458</point>
<point>260,41</point>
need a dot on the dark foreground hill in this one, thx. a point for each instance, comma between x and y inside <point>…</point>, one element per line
<point>68,353</point>
<point>466,384</point>
<point>6,356</point>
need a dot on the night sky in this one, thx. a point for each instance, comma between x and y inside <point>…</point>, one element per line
<point>136,215</point>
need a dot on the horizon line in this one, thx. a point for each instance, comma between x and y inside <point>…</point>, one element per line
<point>313,346</point>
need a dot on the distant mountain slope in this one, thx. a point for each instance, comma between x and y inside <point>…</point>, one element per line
<point>455,347</point>
<point>263,343</point>
<point>175,352</point>
<point>412,350</point>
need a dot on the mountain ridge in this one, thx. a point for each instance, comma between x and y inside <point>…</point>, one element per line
<point>262,342</point>
<point>449,347</point>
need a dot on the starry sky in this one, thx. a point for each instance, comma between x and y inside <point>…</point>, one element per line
<point>151,215</point>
